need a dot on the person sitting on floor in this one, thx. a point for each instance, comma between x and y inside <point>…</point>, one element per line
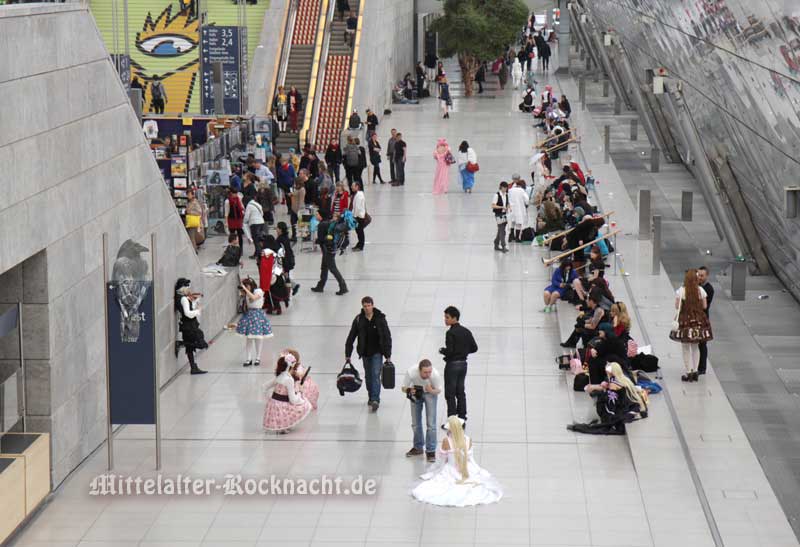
<point>561,283</point>
<point>617,401</point>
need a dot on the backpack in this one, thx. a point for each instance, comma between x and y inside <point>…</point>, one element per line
<point>236,210</point>
<point>647,363</point>
<point>157,90</point>
<point>352,156</point>
<point>348,380</point>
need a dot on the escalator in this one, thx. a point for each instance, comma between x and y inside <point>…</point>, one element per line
<point>297,59</point>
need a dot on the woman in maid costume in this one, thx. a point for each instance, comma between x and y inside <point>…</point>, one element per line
<point>286,406</point>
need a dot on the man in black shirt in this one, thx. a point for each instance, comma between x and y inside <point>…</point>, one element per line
<point>374,340</point>
<point>459,343</point>
<point>702,277</point>
<point>399,153</point>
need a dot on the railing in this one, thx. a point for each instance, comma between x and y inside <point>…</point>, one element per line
<point>286,47</point>
<point>323,67</point>
<point>353,65</point>
<point>312,89</point>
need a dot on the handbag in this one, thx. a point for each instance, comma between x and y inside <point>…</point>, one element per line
<point>449,158</point>
<point>575,364</point>
<point>366,220</point>
<point>192,221</point>
<point>473,167</point>
<point>564,362</point>
<point>675,322</point>
<point>387,375</point>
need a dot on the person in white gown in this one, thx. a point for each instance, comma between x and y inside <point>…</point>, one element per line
<point>518,203</point>
<point>456,480</point>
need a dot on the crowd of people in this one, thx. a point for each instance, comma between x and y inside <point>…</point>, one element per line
<point>554,210</point>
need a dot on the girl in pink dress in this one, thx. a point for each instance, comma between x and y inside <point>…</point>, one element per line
<point>303,382</point>
<point>286,407</point>
<point>442,154</point>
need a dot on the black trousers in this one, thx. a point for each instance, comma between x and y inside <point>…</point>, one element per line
<point>334,168</point>
<point>157,106</point>
<point>391,169</point>
<point>455,372</point>
<point>360,233</point>
<point>329,265</point>
<point>376,172</point>
<point>703,347</point>
<point>239,234</point>
<point>256,231</point>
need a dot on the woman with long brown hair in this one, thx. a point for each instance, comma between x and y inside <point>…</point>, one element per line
<point>691,325</point>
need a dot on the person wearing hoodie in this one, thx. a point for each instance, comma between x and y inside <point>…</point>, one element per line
<point>371,330</point>
<point>286,176</point>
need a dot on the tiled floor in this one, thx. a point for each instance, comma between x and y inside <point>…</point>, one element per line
<point>423,253</point>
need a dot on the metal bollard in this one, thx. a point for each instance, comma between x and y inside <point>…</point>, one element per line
<point>634,129</point>
<point>656,244</point>
<point>738,279</point>
<point>644,213</point>
<point>582,91</point>
<point>606,143</point>
<point>686,205</point>
<point>606,86</point>
<point>617,105</point>
<point>655,160</point>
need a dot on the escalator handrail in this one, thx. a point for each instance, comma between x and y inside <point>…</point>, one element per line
<point>351,75</point>
<point>286,48</point>
<point>316,62</point>
<point>323,67</point>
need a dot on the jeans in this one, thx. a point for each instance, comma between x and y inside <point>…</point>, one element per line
<point>500,239</point>
<point>376,172</point>
<point>360,233</point>
<point>455,372</point>
<point>426,440</point>
<point>400,171</point>
<point>392,176</point>
<point>334,168</point>
<point>329,265</point>
<point>372,373</point>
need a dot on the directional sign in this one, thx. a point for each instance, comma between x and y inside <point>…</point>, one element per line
<point>221,45</point>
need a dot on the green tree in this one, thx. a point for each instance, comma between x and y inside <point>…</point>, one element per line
<point>478,30</point>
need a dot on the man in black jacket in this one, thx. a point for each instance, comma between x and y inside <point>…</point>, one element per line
<point>374,341</point>
<point>459,343</point>
<point>702,278</point>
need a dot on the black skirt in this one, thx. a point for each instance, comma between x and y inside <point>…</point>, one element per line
<point>193,337</point>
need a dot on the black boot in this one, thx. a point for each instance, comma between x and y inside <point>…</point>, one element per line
<point>294,234</point>
<point>572,341</point>
<point>194,368</point>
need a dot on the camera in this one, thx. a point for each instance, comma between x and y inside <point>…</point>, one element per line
<point>415,394</point>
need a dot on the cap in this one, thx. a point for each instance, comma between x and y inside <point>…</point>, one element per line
<point>516,176</point>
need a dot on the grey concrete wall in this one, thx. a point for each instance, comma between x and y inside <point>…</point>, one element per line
<point>74,165</point>
<point>386,54</point>
<point>435,6</point>
<point>262,72</point>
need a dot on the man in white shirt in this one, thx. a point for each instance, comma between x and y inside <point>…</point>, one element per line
<point>422,385</point>
<point>360,214</point>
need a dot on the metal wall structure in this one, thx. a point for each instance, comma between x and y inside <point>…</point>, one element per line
<point>738,63</point>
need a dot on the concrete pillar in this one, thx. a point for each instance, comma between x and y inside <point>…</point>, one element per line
<point>656,244</point>
<point>582,91</point>
<point>606,143</point>
<point>564,41</point>
<point>738,279</point>
<point>655,160</point>
<point>644,214</point>
<point>634,129</point>
<point>686,205</point>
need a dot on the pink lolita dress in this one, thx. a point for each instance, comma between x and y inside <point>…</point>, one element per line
<point>309,388</point>
<point>442,178</point>
<point>286,408</point>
